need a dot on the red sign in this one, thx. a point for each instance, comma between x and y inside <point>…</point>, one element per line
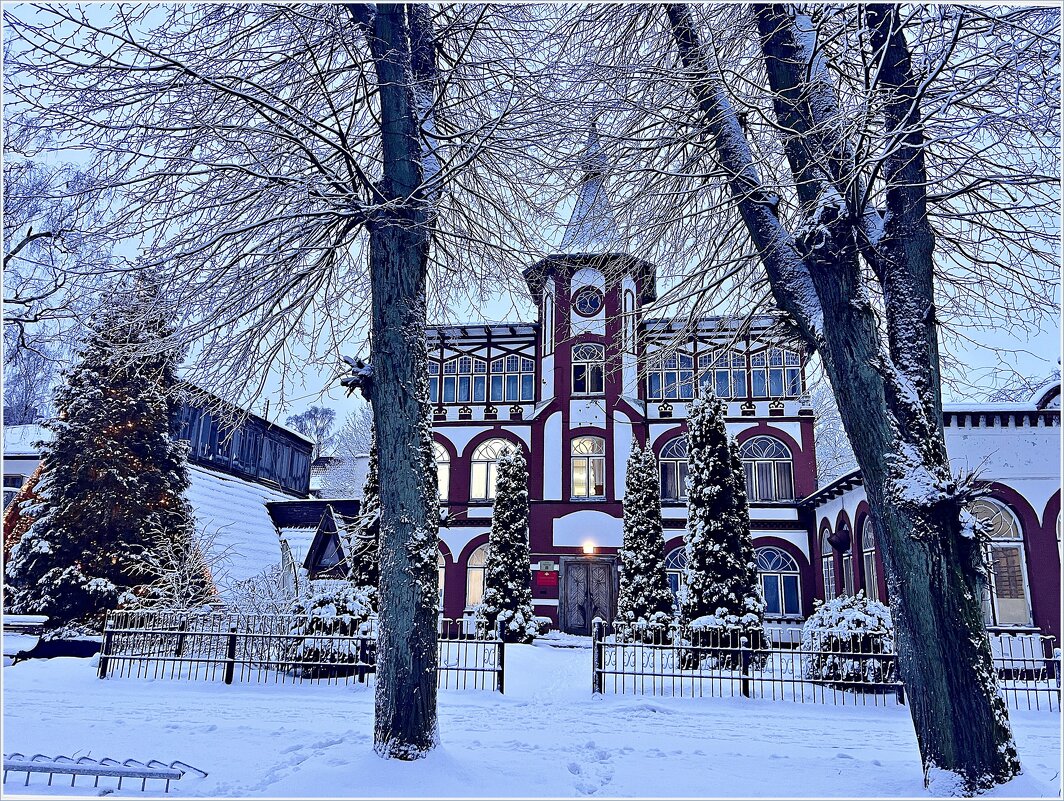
<point>546,578</point>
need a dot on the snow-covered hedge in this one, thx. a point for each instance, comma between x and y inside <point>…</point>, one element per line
<point>849,639</point>
<point>329,616</point>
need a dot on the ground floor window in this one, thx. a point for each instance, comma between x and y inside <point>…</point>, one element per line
<point>441,569</point>
<point>868,553</point>
<point>1006,597</point>
<point>475,576</point>
<point>675,565</point>
<point>780,582</point>
<point>827,565</point>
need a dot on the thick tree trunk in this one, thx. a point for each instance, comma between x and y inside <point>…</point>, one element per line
<point>405,713</point>
<point>888,393</point>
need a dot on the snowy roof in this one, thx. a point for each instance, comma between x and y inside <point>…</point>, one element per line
<point>592,227</point>
<point>18,440</point>
<point>233,513</point>
<point>299,540</point>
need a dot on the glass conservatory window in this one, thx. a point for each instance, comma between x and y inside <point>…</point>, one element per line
<point>482,471</point>
<point>776,373</point>
<point>724,373</point>
<point>768,467</point>
<point>675,564</point>
<point>670,376</point>
<point>443,470</point>
<point>780,582</point>
<point>827,565</point>
<point>588,369</point>
<point>464,380</point>
<point>672,466</point>
<point>475,575</point>
<point>1006,602</point>
<point>589,467</point>
<point>868,554</point>
<point>513,379</point>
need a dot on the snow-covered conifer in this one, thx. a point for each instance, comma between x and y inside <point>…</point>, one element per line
<point>361,549</point>
<point>721,589</point>
<point>507,599</point>
<point>645,598</point>
<point>113,477</point>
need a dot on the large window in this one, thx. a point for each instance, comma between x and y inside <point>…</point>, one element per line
<point>767,463</point>
<point>1005,603</point>
<point>673,468</point>
<point>780,582</point>
<point>464,380</point>
<point>474,587</point>
<point>827,566</point>
<point>776,373</point>
<point>675,565</point>
<point>443,470</point>
<point>589,467</point>
<point>724,373</point>
<point>868,554</point>
<point>513,379</point>
<point>588,369</point>
<point>482,471</point>
<point>670,376</point>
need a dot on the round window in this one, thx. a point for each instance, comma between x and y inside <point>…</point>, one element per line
<point>587,301</point>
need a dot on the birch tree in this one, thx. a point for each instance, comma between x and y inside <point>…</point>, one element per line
<point>884,176</point>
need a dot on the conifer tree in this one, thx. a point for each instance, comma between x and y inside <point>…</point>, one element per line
<point>721,589</point>
<point>507,602</point>
<point>113,477</point>
<point>645,598</point>
<point>363,558</point>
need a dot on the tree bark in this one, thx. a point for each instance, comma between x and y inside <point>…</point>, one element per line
<point>888,393</point>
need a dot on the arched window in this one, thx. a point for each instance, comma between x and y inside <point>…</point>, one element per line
<point>464,380</point>
<point>441,569</point>
<point>675,565</point>
<point>589,467</point>
<point>827,563</point>
<point>868,554</point>
<point>474,586</point>
<point>629,321</point>
<point>588,375</point>
<point>443,469</point>
<point>548,322</point>
<point>767,463</point>
<point>482,471</point>
<point>848,583</point>
<point>776,373</point>
<point>780,582</point>
<point>673,468</point>
<point>1006,601</point>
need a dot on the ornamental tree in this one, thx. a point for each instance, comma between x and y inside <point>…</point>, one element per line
<point>507,603</point>
<point>645,598</point>
<point>721,588</point>
<point>113,477</point>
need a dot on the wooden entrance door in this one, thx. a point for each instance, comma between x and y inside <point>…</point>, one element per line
<point>589,590</point>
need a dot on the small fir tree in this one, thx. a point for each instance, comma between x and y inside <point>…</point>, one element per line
<point>645,599</point>
<point>362,549</point>
<point>721,591</point>
<point>507,602</point>
<point>113,477</point>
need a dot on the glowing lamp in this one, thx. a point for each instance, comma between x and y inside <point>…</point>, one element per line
<point>589,549</point>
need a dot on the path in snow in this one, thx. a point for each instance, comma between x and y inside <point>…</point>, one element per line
<point>547,736</point>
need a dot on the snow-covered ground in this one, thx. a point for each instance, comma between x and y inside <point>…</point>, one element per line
<point>548,736</point>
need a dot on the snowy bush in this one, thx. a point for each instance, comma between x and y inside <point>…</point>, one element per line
<point>326,624</point>
<point>849,639</point>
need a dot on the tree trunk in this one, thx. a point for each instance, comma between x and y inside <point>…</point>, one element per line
<point>888,394</point>
<point>405,712</point>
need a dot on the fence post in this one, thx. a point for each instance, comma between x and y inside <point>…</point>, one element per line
<point>363,656</point>
<point>501,668</point>
<point>597,629</point>
<point>105,648</point>
<point>1056,667</point>
<point>744,662</point>
<point>181,636</point>
<point>230,655</point>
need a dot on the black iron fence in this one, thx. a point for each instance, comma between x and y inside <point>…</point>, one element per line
<point>279,649</point>
<point>789,665</point>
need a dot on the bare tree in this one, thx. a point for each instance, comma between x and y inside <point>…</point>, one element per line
<point>885,176</point>
<point>317,423</point>
<point>834,454</point>
<point>29,377</point>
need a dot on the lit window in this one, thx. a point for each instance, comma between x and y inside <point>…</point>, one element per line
<point>670,377</point>
<point>672,466</point>
<point>587,301</point>
<point>482,472</point>
<point>441,569</point>
<point>443,470</point>
<point>475,575</point>
<point>724,373</point>
<point>767,463</point>
<point>588,369</point>
<point>589,467</point>
<point>464,380</point>
<point>868,554</point>
<point>675,565</point>
<point>827,562</point>
<point>1005,602</point>
<point>780,582</point>
<point>847,562</point>
<point>776,373</point>
<point>513,379</point>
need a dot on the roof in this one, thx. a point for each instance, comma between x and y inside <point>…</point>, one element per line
<point>19,440</point>
<point>307,514</point>
<point>592,226</point>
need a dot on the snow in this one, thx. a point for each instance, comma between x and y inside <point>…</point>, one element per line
<point>18,440</point>
<point>547,736</point>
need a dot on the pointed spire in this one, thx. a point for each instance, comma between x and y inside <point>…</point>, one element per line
<point>592,227</point>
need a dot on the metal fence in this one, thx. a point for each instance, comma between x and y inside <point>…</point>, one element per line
<point>279,649</point>
<point>821,667</point>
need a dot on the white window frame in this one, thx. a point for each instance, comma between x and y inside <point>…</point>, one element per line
<point>443,470</point>
<point>675,571</point>
<point>591,357</point>
<point>773,562</point>
<point>827,566</point>
<point>766,458</point>
<point>482,468</point>
<point>1004,534</point>
<point>673,461</point>
<point>868,557</point>
<point>586,453</point>
<point>478,560</point>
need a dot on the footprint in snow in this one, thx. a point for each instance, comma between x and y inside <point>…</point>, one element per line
<point>841,755</point>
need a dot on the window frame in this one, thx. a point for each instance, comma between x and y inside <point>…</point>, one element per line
<point>758,467</point>
<point>588,291</point>
<point>781,574</point>
<point>676,567</point>
<point>1002,515</point>
<point>518,367</point>
<point>827,566</point>
<point>870,575</point>
<point>588,460</point>
<point>476,564</point>
<point>480,459</point>
<point>443,470</point>
<point>673,460</point>
<point>591,369</point>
